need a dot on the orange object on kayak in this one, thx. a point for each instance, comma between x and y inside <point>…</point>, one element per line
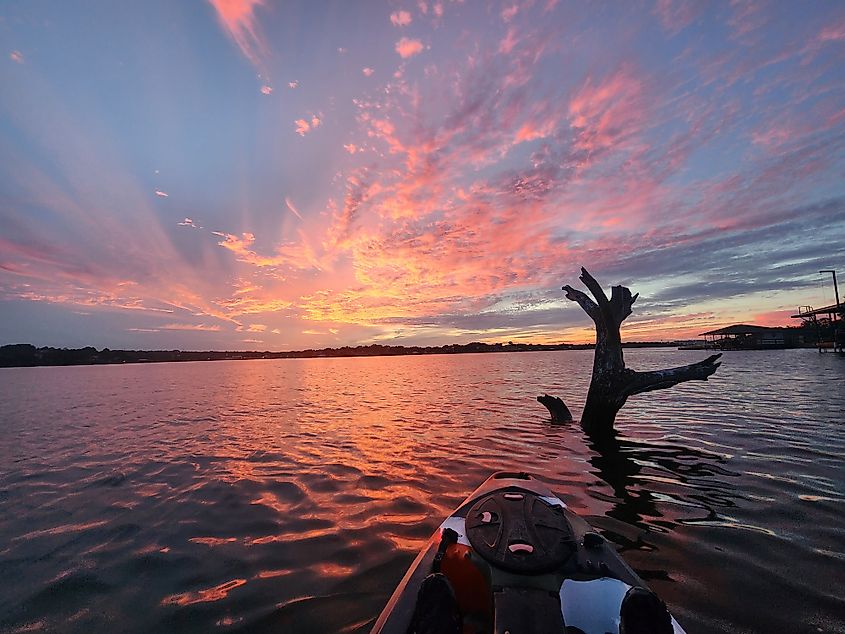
<point>472,588</point>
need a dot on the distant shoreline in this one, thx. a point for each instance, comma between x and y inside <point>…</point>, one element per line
<point>24,355</point>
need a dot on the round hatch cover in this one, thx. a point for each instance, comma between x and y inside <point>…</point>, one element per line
<point>520,532</point>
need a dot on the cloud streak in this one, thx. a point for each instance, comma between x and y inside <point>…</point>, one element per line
<point>237,17</point>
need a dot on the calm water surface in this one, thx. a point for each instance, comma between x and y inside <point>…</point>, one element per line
<point>291,495</point>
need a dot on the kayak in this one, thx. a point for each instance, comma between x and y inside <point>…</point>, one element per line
<point>513,559</point>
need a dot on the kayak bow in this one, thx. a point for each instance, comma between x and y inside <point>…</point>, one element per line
<point>514,559</point>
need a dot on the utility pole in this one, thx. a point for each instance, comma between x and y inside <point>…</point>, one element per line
<point>835,310</point>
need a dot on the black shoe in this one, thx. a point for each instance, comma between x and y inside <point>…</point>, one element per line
<point>437,610</point>
<point>643,612</point>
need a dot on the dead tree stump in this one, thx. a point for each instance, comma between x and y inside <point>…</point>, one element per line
<point>612,383</point>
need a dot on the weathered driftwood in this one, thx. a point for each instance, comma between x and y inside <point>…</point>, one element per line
<point>612,383</point>
<point>557,408</point>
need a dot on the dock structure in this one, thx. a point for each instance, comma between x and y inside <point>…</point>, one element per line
<point>827,323</point>
<point>750,337</point>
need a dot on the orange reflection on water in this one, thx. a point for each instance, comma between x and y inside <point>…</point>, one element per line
<point>204,596</point>
<point>212,541</point>
<point>328,569</point>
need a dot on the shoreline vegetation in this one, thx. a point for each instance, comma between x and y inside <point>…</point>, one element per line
<point>27,355</point>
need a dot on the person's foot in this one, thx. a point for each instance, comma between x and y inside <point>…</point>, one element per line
<point>643,612</point>
<point>437,610</point>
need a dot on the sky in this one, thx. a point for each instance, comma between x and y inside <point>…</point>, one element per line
<point>252,174</point>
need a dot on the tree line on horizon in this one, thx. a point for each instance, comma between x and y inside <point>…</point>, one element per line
<point>28,355</point>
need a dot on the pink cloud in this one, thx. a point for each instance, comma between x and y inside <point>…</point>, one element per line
<point>531,130</point>
<point>832,32</point>
<point>508,13</point>
<point>510,40</point>
<point>676,15</point>
<point>188,222</point>
<point>400,18</point>
<point>237,17</point>
<point>407,47</point>
<point>605,113</point>
<point>748,16</point>
<point>266,90</point>
<point>303,126</point>
<point>293,84</point>
<point>162,194</point>
<point>16,56</point>
<point>351,148</point>
<point>368,72</point>
<point>437,8</point>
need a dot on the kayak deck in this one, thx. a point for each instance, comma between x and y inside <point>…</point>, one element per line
<point>513,558</point>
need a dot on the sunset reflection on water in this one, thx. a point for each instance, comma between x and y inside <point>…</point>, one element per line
<point>291,495</point>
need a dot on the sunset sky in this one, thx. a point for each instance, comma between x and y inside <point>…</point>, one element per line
<point>248,174</point>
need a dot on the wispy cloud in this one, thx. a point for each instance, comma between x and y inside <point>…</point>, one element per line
<point>237,17</point>
<point>193,327</point>
<point>16,56</point>
<point>676,15</point>
<point>292,208</point>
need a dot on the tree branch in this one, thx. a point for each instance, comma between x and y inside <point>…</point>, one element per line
<point>639,382</point>
<point>594,287</point>
<point>589,306</point>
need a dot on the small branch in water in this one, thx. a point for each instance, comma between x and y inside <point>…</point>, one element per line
<point>557,408</point>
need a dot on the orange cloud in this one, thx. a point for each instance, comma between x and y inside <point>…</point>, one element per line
<point>407,47</point>
<point>304,126</point>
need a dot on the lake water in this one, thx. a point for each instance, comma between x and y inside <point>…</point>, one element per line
<point>291,495</point>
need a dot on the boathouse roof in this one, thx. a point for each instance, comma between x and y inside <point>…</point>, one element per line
<point>742,329</point>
